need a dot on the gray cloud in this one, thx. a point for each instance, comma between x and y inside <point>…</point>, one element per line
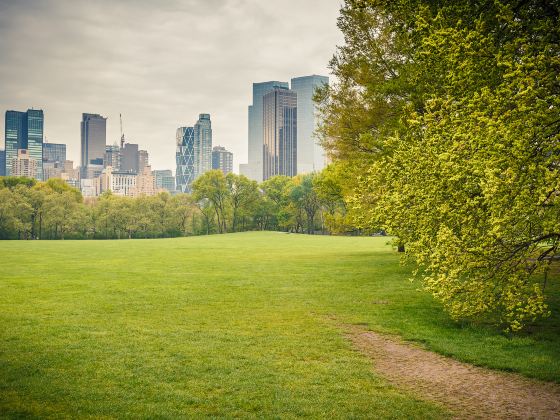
<point>159,63</point>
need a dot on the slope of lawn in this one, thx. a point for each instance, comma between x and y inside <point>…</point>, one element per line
<point>242,325</point>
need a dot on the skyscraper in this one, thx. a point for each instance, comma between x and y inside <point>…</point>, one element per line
<point>54,152</point>
<point>222,159</point>
<point>185,158</point>
<point>54,156</point>
<point>142,161</point>
<point>2,163</point>
<point>15,135</point>
<point>203,144</point>
<point>280,133</point>
<point>254,168</point>
<point>164,179</point>
<point>129,158</point>
<point>24,130</point>
<point>35,123</point>
<point>193,152</point>
<point>310,154</point>
<point>112,157</point>
<point>94,136</point>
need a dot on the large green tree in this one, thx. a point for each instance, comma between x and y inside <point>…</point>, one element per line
<point>446,118</point>
<point>243,195</point>
<point>212,186</point>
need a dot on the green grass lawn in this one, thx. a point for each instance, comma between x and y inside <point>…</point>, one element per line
<point>224,326</point>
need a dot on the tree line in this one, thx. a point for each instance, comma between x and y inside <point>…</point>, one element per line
<point>311,203</point>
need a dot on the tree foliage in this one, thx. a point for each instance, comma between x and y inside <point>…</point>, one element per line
<point>219,204</point>
<point>446,118</point>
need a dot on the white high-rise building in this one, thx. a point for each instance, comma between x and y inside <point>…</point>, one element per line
<point>310,155</point>
<point>24,165</point>
<point>203,145</point>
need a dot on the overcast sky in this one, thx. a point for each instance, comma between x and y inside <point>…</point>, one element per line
<point>158,62</point>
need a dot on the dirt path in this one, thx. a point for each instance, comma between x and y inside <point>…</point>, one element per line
<point>468,391</point>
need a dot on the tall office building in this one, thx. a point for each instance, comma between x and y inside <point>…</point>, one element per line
<point>24,130</point>
<point>310,155</point>
<point>35,123</point>
<point>164,179</point>
<point>185,158</point>
<point>159,174</point>
<point>54,152</point>
<point>129,158</point>
<point>15,136</point>
<point>2,163</point>
<point>112,156</point>
<point>203,144</point>
<point>280,133</point>
<point>142,160</point>
<point>94,138</point>
<point>222,159</point>
<point>254,167</point>
<point>54,155</point>
<point>168,183</point>
<point>193,152</point>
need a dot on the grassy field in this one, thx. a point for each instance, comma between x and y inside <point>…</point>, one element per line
<point>228,325</point>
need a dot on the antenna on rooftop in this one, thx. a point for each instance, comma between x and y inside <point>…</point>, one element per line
<point>122,134</point>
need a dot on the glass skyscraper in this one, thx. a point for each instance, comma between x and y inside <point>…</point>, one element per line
<point>54,152</point>
<point>112,157</point>
<point>279,133</point>
<point>222,159</point>
<point>2,163</point>
<point>255,149</point>
<point>194,152</point>
<point>164,178</point>
<point>94,138</point>
<point>185,158</point>
<point>203,144</point>
<point>310,155</point>
<point>24,130</point>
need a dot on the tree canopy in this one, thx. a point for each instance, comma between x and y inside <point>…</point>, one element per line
<point>445,119</point>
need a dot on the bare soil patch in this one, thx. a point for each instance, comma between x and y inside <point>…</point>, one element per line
<point>468,391</point>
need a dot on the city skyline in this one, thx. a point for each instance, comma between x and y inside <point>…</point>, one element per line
<point>109,60</point>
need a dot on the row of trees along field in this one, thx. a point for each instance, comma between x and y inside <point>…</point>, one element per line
<point>219,203</point>
<point>445,121</point>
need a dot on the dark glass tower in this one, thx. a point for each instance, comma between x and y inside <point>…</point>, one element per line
<point>279,133</point>
<point>94,136</point>
<point>129,158</point>
<point>24,130</point>
<point>2,163</point>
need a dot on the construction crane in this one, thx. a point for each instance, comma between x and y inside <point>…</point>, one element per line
<point>122,134</point>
